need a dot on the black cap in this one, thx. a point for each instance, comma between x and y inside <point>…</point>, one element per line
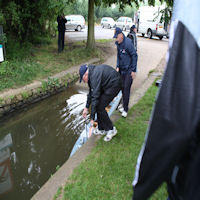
<point>82,70</point>
<point>117,31</point>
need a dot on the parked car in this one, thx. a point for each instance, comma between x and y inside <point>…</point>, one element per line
<point>149,22</point>
<point>75,22</point>
<point>107,22</point>
<point>124,23</point>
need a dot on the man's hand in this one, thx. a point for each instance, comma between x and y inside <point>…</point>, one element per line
<point>85,112</point>
<point>117,69</point>
<point>92,122</point>
<point>133,74</point>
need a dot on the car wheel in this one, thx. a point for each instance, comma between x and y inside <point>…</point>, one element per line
<point>149,34</point>
<point>160,37</point>
<point>78,28</point>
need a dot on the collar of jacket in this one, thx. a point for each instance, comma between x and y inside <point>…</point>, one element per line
<point>90,70</point>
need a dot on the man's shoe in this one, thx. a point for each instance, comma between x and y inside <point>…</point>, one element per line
<point>110,134</point>
<point>99,132</point>
<point>124,114</point>
<point>120,108</point>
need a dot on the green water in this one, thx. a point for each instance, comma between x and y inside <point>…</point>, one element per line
<point>36,140</point>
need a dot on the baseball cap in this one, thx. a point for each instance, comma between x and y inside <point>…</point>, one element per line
<point>82,70</point>
<point>132,27</point>
<point>117,31</point>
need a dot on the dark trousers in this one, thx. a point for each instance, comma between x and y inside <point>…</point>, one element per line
<point>61,40</point>
<point>104,122</point>
<point>126,88</point>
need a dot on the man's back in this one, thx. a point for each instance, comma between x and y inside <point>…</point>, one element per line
<point>103,75</point>
<point>61,23</point>
<point>133,37</point>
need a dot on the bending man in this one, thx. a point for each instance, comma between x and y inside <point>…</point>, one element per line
<point>104,84</point>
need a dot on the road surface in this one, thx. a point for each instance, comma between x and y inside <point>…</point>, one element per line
<point>100,33</point>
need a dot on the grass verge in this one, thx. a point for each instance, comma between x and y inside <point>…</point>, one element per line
<point>27,63</point>
<point>109,170</point>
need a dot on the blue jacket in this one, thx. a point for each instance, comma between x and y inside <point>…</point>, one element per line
<point>126,56</point>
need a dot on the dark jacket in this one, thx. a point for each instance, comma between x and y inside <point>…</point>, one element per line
<point>133,37</point>
<point>61,23</point>
<point>126,56</point>
<point>102,79</point>
<point>171,152</point>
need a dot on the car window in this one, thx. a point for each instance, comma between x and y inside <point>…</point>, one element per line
<point>77,18</point>
<point>119,20</point>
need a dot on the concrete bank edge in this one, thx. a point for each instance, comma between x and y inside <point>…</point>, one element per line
<point>15,99</point>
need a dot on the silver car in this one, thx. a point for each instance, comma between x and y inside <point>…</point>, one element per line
<point>75,22</point>
<point>124,23</point>
<point>107,22</point>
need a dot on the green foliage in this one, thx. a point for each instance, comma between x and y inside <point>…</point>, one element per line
<point>101,10</point>
<point>58,193</point>
<point>4,69</point>
<point>26,62</point>
<point>51,82</point>
<point>57,167</point>
<point>17,50</point>
<point>25,95</point>
<point>3,38</point>
<point>18,72</point>
<point>26,19</point>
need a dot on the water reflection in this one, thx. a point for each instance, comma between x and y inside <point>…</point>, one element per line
<point>6,182</point>
<point>38,140</point>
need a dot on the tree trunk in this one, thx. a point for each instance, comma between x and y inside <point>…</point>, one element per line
<point>90,36</point>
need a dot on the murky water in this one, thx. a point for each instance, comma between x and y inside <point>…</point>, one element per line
<point>36,141</point>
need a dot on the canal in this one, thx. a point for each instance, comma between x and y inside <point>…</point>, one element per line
<point>37,140</point>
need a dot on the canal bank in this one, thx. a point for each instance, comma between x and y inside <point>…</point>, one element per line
<point>15,99</point>
<point>60,178</point>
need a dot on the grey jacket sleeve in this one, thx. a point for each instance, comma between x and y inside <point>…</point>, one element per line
<point>133,55</point>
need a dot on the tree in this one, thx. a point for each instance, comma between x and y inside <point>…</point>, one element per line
<point>90,37</point>
<point>29,19</point>
<point>122,4</point>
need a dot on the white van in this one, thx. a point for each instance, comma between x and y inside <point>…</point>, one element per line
<point>149,22</point>
<point>124,23</point>
<point>75,22</point>
<point>107,22</point>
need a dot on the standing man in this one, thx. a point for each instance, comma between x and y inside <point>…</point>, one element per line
<point>104,84</point>
<point>126,66</point>
<point>61,32</point>
<point>133,37</point>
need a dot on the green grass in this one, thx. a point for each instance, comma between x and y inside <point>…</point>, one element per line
<point>27,63</point>
<point>57,195</point>
<point>104,40</point>
<point>107,173</point>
